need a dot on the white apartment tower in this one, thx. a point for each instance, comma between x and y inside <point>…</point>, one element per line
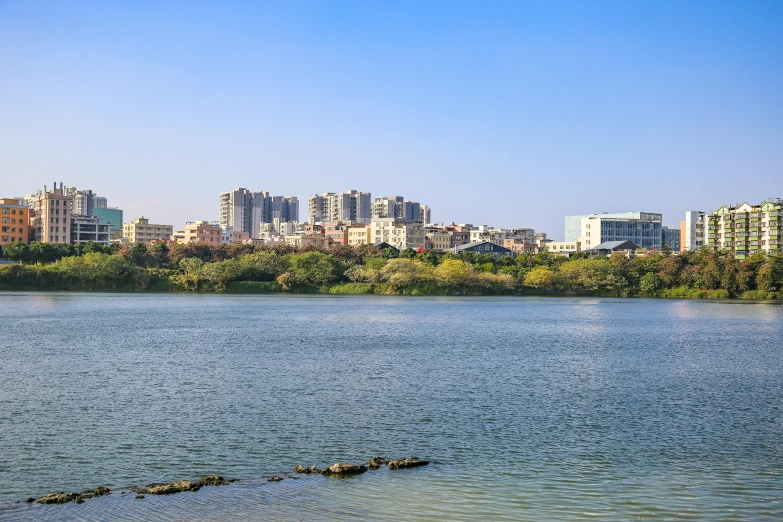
<point>692,231</point>
<point>401,209</point>
<point>333,207</point>
<point>246,211</point>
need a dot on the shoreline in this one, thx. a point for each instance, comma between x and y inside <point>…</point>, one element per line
<point>371,289</point>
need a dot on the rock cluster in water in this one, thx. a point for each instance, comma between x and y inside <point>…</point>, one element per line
<point>62,497</point>
<point>179,486</point>
<point>342,470</point>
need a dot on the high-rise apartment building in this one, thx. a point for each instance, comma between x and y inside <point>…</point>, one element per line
<point>284,208</point>
<point>693,231</point>
<point>52,221</point>
<point>333,207</point>
<point>14,222</point>
<point>84,202</point>
<point>747,229</point>
<point>644,229</point>
<point>425,215</point>
<point>401,209</point>
<point>246,211</point>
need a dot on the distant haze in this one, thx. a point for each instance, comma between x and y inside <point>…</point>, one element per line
<point>509,113</point>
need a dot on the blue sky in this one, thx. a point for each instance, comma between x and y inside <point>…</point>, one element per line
<point>507,113</point>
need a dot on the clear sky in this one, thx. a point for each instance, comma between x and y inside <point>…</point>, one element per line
<point>508,113</point>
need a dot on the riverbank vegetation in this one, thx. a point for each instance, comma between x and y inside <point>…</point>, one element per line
<point>366,269</point>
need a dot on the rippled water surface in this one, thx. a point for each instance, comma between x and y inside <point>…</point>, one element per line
<point>534,409</point>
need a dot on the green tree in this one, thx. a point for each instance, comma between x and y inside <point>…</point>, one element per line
<point>588,274</point>
<point>17,251</point>
<point>765,276</point>
<point>312,268</point>
<point>650,283</point>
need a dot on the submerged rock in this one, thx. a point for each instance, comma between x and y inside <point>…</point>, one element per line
<point>344,469</point>
<point>97,492</point>
<point>139,497</point>
<point>173,487</point>
<point>407,463</point>
<point>274,479</point>
<point>376,462</point>
<point>213,480</point>
<point>61,497</point>
<point>182,485</point>
<point>312,470</point>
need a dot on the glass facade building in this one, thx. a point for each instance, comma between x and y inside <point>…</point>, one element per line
<point>644,229</point>
<point>112,216</point>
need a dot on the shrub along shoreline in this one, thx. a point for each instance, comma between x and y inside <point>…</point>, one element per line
<point>368,270</point>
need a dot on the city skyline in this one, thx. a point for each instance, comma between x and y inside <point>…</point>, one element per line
<point>539,110</point>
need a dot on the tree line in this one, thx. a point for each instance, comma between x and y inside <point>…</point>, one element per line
<point>369,269</point>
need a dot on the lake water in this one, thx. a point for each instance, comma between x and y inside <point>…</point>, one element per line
<point>534,408</point>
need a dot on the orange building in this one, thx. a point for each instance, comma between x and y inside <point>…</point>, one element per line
<point>683,242</point>
<point>15,222</point>
<point>202,232</point>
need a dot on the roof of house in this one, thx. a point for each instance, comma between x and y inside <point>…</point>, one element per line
<point>495,248</point>
<point>385,245</point>
<point>616,245</point>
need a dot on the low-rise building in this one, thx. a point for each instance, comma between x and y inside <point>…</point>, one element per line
<point>610,247</point>
<point>86,229</point>
<point>400,235</point>
<point>563,248</point>
<point>359,235</point>
<point>209,232</point>
<point>483,233</point>
<point>14,222</point>
<point>140,230</point>
<point>230,236</point>
<point>460,234</point>
<point>437,239</point>
<point>337,234</point>
<point>308,240</point>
